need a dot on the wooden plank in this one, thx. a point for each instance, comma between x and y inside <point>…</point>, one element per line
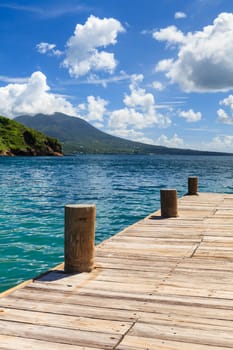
<point>19,343</point>
<point>211,337</point>
<point>46,318</point>
<point>59,335</point>
<point>183,320</point>
<point>160,250</point>
<point>110,299</point>
<point>139,343</point>
<point>150,261</point>
<point>88,307</point>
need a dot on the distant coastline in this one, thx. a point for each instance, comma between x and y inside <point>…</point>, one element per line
<point>79,137</point>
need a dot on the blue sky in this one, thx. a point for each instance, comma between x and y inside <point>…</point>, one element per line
<point>159,71</point>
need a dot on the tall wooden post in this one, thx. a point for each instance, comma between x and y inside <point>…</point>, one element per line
<point>168,202</point>
<point>192,185</point>
<point>79,237</point>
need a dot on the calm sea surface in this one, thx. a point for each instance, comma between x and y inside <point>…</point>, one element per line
<point>33,192</point>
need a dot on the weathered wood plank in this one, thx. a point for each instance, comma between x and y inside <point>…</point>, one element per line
<point>19,343</point>
<point>139,343</point>
<point>46,318</point>
<point>210,336</point>
<point>105,299</point>
<point>87,307</point>
<point>59,335</point>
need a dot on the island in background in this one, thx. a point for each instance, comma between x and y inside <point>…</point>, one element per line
<point>79,137</point>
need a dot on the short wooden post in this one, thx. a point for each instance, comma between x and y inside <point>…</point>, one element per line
<point>192,185</point>
<point>79,237</point>
<point>168,202</point>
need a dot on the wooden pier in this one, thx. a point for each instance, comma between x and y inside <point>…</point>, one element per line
<point>163,283</point>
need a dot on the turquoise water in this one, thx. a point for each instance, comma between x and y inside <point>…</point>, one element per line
<point>33,192</point>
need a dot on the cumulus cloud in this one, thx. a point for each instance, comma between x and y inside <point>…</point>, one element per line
<point>223,116</point>
<point>204,60</point>
<point>139,111</point>
<point>157,85</point>
<point>170,34</point>
<point>174,141</point>
<point>190,115</point>
<point>122,118</point>
<point>44,48</point>
<point>98,125</point>
<point>164,65</point>
<point>138,96</point>
<point>179,15</point>
<point>94,109</point>
<point>85,49</point>
<point>32,97</point>
<point>222,143</point>
<point>132,135</point>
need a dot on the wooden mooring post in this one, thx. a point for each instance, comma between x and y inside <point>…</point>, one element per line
<point>79,238</point>
<point>168,202</point>
<point>192,185</point>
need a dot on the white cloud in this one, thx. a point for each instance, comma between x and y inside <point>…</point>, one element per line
<point>32,97</point>
<point>190,115</point>
<point>222,143</point>
<point>179,15</point>
<point>93,79</point>
<point>138,97</point>
<point>122,118</point>
<point>157,85</point>
<point>223,117</point>
<point>133,135</point>
<point>174,141</point>
<point>226,140</point>
<point>44,48</point>
<point>85,52</point>
<point>205,58</point>
<point>6,79</point>
<point>164,65</point>
<point>219,143</point>
<point>46,10</point>
<point>170,34</point>
<point>139,111</point>
<point>94,109</point>
<point>98,125</point>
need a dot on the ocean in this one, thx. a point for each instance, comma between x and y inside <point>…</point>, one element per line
<point>34,191</point>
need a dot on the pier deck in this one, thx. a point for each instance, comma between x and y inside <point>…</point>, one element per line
<point>163,284</point>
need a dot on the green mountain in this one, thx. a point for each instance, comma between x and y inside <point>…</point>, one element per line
<point>17,139</point>
<point>78,136</point>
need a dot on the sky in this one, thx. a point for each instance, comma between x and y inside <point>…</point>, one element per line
<point>154,71</point>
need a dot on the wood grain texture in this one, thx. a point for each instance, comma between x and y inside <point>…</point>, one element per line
<point>168,200</point>
<point>79,237</point>
<point>192,185</point>
<point>160,284</point>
